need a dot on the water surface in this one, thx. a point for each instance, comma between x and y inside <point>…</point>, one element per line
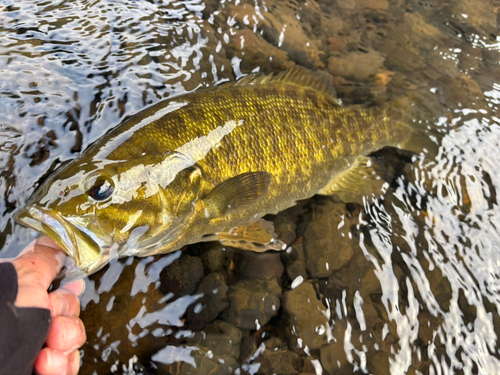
<point>401,282</point>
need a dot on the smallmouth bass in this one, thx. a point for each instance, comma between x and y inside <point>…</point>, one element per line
<point>207,166</point>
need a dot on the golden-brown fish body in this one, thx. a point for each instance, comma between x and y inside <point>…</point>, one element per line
<point>203,165</point>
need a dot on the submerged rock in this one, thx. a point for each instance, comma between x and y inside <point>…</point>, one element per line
<point>308,368</point>
<point>214,300</point>
<point>253,303</point>
<point>296,269</point>
<point>182,276</point>
<point>221,338</point>
<point>216,257</point>
<point>359,5</point>
<point>327,245</point>
<point>306,318</point>
<point>293,253</point>
<point>333,357</point>
<point>277,359</point>
<point>213,351</point>
<point>187,360</point>
<point>252,265</point>
<point>285,229</point>
<point>357,65</point>
<point>477,15</point>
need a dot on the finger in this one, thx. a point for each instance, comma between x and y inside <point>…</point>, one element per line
<point>49,242</point>
<point>40,265</point>
<point>66,333</point>
<point>31,296</point>
<point>73,363</point>
<point>63,302</point>
<point>77,287</point>
<point>51,362</point>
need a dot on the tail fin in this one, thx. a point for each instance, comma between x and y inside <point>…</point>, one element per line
<point>422,112</point>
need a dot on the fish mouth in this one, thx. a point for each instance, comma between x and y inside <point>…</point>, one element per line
<point>76,243</point>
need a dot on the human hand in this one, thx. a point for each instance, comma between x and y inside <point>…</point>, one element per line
<point>36,267</point>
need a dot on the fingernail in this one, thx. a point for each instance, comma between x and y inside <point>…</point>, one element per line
<point>54,362</point>
<point>76,287</point>
<point>72,330</point>
<point>63,307</point>
<point>73,363</point>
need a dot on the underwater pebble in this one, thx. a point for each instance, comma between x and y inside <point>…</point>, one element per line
<point>327,245</point>
<point>208,307</point>
<point>221,338</point>
<point>253,303</point>
<point>306,318</point>
<point>277,359</point>
<point>293,253</point>
<point>194,362</point>
<point>285,229</point>
<point>216,257</point>
<point>213,351</point>
<point>333,357</point>
<point>296,269</point>
<point>182,276</point>
<point>252,265</point>
<point>357,65</point>
<point>309,367</point>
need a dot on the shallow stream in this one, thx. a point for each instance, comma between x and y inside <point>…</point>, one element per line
<point>404,282</point>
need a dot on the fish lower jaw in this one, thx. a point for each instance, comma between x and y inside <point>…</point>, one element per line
<point>78,245</point>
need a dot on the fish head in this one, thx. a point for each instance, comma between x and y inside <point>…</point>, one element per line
<point>99,210</point>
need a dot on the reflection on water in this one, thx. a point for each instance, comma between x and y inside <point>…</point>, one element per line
<point>404,283</point>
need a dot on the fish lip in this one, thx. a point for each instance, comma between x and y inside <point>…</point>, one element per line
<point>63,232</point>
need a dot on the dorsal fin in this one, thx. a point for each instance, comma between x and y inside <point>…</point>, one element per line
<point>296,75</point>
<point>300,76</point>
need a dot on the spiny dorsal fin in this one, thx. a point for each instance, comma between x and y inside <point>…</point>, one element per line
<point>300,76</point>
<point>296,75</point>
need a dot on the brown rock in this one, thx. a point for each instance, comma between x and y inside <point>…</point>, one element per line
<point>336,44</point>
<point>182,276</point>
<point>252,265</point>
<point>306,318</point>
<point>333,357</point>
<point>379,363</point>
<point>215,257</point>
<point>293,253</point>
<point>359,5</point>
<point>356,65</point>
<point>253,303</point>
<point>296,269</point>
<point>208,307</point>
<point>222,338</point>
<point>327,245</point>
<point>256,51</point>
<point>476,14</point>
<point>285,229</point>
<point>276,359</point>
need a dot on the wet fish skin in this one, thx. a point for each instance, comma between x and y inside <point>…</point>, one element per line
<point>188,168</point>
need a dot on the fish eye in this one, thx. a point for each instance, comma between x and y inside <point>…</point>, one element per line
<point>101,189</point>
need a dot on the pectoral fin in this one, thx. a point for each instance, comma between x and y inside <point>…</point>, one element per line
<point>366,177</point>
<point>240,192</point>
<point>257,236</point>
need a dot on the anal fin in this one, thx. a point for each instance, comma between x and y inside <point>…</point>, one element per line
<point>257,236</point>
<point>368,176</point>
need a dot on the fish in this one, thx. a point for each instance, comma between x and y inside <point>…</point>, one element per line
<point>208,165</point>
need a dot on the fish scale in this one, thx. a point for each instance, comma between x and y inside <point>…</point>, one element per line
<point>206,164</point>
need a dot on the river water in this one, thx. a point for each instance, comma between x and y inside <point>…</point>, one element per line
<point>406,281</point>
